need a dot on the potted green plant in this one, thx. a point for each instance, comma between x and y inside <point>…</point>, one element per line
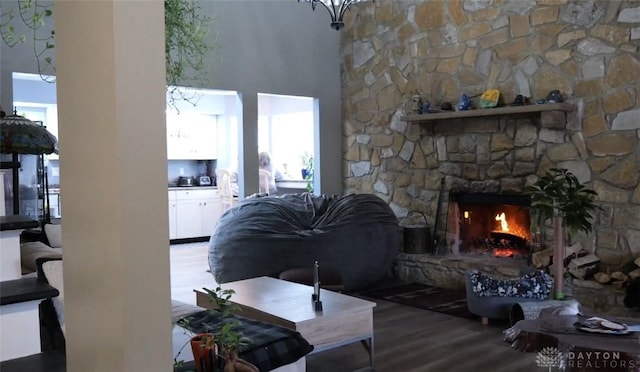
<point>220,344</point>
<point>205,351</point>
<point>307,169</point>
<point>229,339</point>
<point>559,195</point>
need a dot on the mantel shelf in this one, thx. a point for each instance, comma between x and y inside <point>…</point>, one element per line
<point>498,111</point>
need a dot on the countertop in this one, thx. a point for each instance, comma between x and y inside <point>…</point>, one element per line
<point>291,184</point>
<point>186,188</point>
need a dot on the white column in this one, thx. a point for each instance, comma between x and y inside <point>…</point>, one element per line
<point>111,101</point>
<point>249,144</point>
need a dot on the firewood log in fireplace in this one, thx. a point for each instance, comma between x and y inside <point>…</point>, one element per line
<point>508,239</point>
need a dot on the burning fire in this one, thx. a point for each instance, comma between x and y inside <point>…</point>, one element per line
<point>503,221</point>
<point>505,252</point>
<point>504,227</point>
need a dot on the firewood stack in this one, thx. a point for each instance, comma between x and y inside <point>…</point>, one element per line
<point>618,279</point>
<point>584,265</point>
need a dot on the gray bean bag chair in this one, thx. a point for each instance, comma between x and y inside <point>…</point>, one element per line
<point>357,235</point>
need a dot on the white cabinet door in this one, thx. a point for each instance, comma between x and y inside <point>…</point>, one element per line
<point>197,212</point>
<point>173,222</point>
<point>206,141</point>
<point>174,144</point>
<point>189,219</point>
<point>187,140</point>
<point>173,218</point>
<point>211,212</point>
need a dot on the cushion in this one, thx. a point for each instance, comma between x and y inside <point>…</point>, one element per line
<point>53,272</point>
<point>31,251</point>
<point>536,285</point>
<point>54,235</point>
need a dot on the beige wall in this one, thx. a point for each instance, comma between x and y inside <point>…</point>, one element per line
<point>440,49</point>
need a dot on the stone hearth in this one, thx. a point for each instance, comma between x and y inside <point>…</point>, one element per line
<point>448,272</point>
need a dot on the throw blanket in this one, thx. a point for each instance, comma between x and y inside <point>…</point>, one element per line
<point>271,346</point>
<point>536,285</point>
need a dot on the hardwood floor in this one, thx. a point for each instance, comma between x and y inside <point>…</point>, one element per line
<point>406,338</point>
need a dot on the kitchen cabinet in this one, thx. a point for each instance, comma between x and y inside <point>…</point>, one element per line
<point>195,214</point>
<point>173,206</point>
<point>191,140</point>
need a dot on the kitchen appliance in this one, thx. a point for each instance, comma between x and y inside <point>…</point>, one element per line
<point>204,181</point>
<point>186,181</point>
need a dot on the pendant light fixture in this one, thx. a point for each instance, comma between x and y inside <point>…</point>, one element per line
<point>336,9</point>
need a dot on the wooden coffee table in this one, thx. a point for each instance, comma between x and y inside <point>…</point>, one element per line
<point>343,320</point>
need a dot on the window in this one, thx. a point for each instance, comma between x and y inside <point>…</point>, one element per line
<point>285,130</point>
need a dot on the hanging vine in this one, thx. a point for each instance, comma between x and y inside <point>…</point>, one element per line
<point>33,14</point>
<point>187,42</point>
<point>186,46</point>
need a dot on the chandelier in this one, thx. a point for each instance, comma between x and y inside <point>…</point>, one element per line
<point>336,9</point>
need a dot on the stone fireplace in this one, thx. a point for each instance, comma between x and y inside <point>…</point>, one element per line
<point>586,49</point>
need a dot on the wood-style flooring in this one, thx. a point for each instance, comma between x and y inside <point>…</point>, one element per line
<point>406,338</point>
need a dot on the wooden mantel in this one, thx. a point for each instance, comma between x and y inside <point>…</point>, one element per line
<point>498,111</point>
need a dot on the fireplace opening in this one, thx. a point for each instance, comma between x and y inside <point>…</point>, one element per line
<point>492,224</point>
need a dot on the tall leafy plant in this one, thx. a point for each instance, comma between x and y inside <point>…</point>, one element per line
<point>560,193</point>
<point>560,196</point>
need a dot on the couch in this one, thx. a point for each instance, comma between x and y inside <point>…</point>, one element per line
<point>357,236</point>
<point>40,243</point>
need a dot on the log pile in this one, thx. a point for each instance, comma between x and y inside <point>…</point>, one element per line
<point>582,264</point>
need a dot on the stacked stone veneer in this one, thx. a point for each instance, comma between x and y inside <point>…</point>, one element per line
<point>586,49</point>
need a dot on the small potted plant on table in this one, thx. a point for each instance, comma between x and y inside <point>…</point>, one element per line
<point>217,349</point>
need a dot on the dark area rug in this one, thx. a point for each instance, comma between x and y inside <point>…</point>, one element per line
<point>447,301</point>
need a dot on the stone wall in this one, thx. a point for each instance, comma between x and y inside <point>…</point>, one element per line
<point>440,49</point>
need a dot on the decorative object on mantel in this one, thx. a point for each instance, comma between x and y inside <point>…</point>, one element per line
<point>446,106</point>
<point>464,103</point>
<point>554,97</point>
<point>415,105</point>
<point>520,100</point>
<point>336,9</point>
<point>490,98</point>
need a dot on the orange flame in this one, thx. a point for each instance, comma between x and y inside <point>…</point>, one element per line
<point>503,221</point>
